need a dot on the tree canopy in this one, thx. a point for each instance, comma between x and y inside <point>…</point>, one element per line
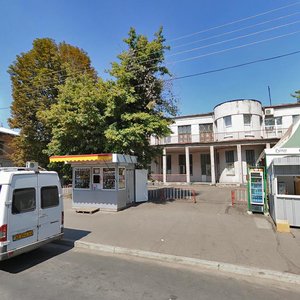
<point>36,76</point>
<point>77,118</point>
<point>140,104</point>
<point>62,107</point>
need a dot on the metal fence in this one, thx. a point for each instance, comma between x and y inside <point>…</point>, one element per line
<point>171,193</point>
<point>239,196</point>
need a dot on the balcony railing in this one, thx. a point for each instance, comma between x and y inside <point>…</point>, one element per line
<point>208,137</point>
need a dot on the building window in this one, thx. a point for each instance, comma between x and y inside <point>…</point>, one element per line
<point>227,121</point>
<point>122,178</point>
<point>296,118</point>
<point>184,134</point>
<point>229,158</point>
<point>82,178</point>
<point>206,127</point>
<point>182,164</point>
<point>96,176</point>
<point>250,157</point>
<point>169,164</point>
<point>109,178</point>
<point>1,147</point>
<point>247,120</point>
<point>206,132</point>
<point>23,200</point>
<point>186,129</point>
<point>270,121</point>
<point>205,165</point>
<point>278,120</point>
<point>49,196</point>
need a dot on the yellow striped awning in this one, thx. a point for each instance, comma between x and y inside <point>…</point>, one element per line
<point>103,157</point>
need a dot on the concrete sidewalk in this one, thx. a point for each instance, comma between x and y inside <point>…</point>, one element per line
<point>210,229</point>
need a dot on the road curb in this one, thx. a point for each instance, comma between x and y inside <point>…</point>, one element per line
<point>206,264</point>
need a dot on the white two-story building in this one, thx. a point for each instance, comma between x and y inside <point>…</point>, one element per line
<point>216,147</point>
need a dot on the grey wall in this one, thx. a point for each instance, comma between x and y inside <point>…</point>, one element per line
<point>100,199</point>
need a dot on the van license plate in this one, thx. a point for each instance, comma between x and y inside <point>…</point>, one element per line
<point>22,235</point>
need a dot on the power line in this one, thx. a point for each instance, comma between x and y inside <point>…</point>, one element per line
<point>234,22</point>
<point>188,59</point>
<point>236,30</point>
<point>234,66</point>
<point>209,29</point>
<point>218,35</point>
<point>234,39</point>
<point>233,48</point>
<point>4,108</point>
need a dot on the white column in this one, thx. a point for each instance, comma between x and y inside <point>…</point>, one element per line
<point>164,165</point>
<point>212,165</point>
<point>187,164</point>
<point>240,165</point>
<point>268,146</point>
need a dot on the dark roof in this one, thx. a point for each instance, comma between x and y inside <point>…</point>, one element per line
<point>283,105</point>
<point>196,115</point>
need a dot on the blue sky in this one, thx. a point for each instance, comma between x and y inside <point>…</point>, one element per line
<point>98,27</point>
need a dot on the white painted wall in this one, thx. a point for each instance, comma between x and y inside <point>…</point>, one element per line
<point>237,131</point>
<point>237,109</point>
<point>287,114</point>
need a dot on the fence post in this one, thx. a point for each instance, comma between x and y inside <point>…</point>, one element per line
<point>194,196</point>
<point>232,197</point>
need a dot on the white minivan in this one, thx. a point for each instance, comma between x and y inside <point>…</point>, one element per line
<point>31,210</point>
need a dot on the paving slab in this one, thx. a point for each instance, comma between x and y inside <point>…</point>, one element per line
<point>210,229</point>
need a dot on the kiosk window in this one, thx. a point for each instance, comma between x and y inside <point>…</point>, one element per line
<point>49,196</point>
<point>109,178</point>
<point>122,182</point>
<point>96,176</point>
<point>23,201</point>
<point>82,178</point>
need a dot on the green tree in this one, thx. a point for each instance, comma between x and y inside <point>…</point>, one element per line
<point>77,119</point>
<point>297,96</point>
<point>139,104</point>
<point>36,76</point>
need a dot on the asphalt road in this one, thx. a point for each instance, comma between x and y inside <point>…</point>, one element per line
<point>57,272</point>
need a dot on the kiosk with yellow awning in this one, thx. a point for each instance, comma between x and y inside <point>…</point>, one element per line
<point>105,181</point>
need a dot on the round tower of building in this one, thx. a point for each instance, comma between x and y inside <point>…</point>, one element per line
<point>238,119</point>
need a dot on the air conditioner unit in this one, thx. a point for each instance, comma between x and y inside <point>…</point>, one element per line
<point>32,165</point>
<point>269,111</point>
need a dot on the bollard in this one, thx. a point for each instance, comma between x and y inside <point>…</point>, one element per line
<point>232,197</point>
<point>194,196</point>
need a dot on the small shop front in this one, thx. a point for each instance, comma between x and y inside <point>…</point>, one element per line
<point>284,185</point>
<point>105,181</point>
<point>283,177</point>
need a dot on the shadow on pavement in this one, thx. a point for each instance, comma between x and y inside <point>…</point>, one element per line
<point>30,259</point>
<point>71,234</point>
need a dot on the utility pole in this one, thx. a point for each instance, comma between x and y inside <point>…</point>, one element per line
<point>270,99</point>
